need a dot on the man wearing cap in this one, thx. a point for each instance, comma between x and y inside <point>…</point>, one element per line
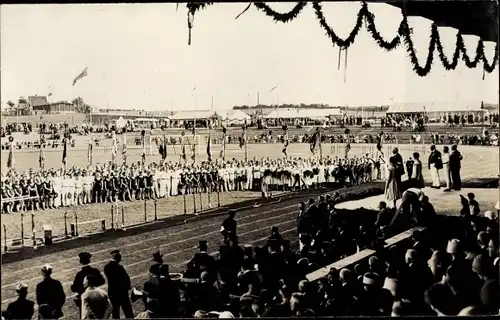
<point>78,285</point>
<point>229,225</point>
<point>375,300</point>
<point>118,286</point>
<point>50,292</point>
<point>22,308</point>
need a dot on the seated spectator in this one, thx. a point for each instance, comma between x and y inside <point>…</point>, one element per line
<point>298,306</point>
<point>439,297</point>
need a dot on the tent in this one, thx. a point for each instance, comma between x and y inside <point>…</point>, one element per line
<point>193,114</point>
<point>234,117</point>
<point>301,113</point>
<point>435,107</point>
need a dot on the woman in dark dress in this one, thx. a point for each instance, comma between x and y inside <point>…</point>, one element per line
<point>417,179</point>
<point>393,184</point>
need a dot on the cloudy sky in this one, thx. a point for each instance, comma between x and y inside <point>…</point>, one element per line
<point>138,57</point>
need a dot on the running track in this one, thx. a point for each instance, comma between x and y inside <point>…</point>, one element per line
<point>177,243</point>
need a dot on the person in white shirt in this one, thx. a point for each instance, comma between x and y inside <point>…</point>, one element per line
<point>446,168</point>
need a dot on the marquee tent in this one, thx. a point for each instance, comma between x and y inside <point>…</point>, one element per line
<point>435,107</point>
<point>298,113</point>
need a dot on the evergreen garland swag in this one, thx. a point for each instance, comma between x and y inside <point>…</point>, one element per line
<point>281,17</point>
<point>403,35</point>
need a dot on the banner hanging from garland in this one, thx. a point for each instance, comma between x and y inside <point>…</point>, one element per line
<point>366,18</point>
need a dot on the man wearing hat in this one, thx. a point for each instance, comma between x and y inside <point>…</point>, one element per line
<point>118,286</point>
<point>78,286</point>
<point>229,225</point>
<point>201,261</point>
<point>50,292</point>
<point>22,308</point>
<point>158,258</point>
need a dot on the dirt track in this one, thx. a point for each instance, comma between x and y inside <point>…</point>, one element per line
<point>178,244</point>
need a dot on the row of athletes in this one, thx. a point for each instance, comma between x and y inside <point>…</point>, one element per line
<point>52,189</point>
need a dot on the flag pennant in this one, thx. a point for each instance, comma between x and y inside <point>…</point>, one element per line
<point>183,149</point>
<point>65,151</point>
<point>80,76</point>
<point>41,158</point>
<point>209,147</point>
<point>10,159</point>
<point>163,148</point>
<point>124,147</point>
<point>285,141</point>
<point>114,149</point>
<point>314,141</point>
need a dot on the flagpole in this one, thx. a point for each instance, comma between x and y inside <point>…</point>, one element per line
<point>245,137</point>
<point>320,144</point>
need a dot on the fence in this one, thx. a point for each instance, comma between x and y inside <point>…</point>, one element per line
<point>114,216</point>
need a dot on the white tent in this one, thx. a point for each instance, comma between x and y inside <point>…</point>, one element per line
<point>234,117</point>
<point>295,113</point>
<point>435,107</point>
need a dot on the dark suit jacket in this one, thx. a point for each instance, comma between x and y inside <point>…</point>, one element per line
<point>455,158</point>
<point>20,309</point>
<point>77,285</point>
<point>118,279</point>
<point>51,292</point>
<point>435,157</point>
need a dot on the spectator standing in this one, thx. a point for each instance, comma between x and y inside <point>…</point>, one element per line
<point>446,168</point>
<point>78,286</point>
<point>393,184</point>
<point>455,159</point>
<point>435,164</point>
<point>95,301</point>
<point>417,178</point>
<point>50,292</point>
<point>22,308</point>
<point>118,286</point>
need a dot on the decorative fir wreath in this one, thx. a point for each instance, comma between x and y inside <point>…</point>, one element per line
<point>403,36</point>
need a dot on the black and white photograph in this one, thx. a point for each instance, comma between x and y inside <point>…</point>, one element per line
<point>249,159</point>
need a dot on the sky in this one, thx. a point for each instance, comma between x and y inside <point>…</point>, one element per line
<point>138,57</point>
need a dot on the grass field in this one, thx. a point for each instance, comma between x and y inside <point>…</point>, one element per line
<point>479,162</point>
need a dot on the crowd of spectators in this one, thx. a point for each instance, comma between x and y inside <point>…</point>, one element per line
<point>439,273</point>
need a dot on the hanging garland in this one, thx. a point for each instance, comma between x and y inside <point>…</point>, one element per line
<point>343,43</point>
<point>372,29</point>
<point>281,17</point>
<point>403,36</point>
<point>405,32</point>
<point>194,7</point>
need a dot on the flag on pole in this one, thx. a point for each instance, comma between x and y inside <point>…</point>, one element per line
<point>183,148</point>
<point>314,141</point>
<point>41,158</point>
<point>124,147</point>
<point>143,133</point>
<point>209,146</point>
<point>285,141</point>
<point>114,150</point>
<point>243,138</point>
<point>80,76</point>
<point>65,151</point>
<point>163,148</point>
<point>10,159</point>
<point>379,141</point>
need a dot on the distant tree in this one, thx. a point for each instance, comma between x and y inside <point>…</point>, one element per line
<point>81,106</point>
<point>11,104</point>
